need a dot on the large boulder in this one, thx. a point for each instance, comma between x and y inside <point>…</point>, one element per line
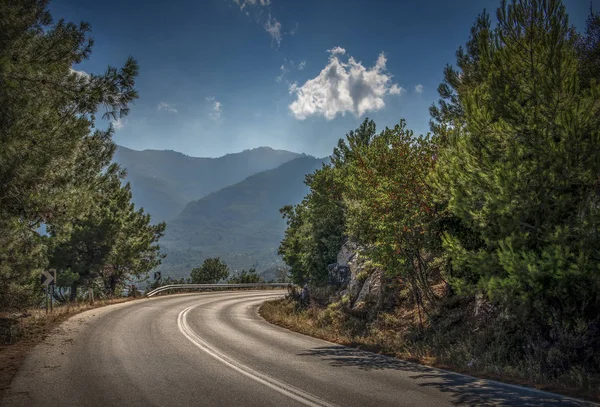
<point>348,251</point>
<point>338,275</point>
<point>371,293</point>
<point>364,283</point>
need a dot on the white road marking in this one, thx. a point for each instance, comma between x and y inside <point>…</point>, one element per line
<point>277,385</point>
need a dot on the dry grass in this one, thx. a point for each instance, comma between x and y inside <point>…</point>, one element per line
<point>396,334</point>
<point>35,325</point>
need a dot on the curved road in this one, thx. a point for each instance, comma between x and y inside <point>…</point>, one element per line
<point>213,349</point>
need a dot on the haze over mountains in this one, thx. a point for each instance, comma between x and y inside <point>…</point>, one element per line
<point>164,181</point>
<point>226,206</point>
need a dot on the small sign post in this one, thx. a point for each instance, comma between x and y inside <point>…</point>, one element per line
<point>48,279</point>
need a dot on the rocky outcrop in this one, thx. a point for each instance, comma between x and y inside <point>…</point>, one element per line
<point>359,279</point>
<point>371,293</point>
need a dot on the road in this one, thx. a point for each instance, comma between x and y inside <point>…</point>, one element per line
<point>213,349</point>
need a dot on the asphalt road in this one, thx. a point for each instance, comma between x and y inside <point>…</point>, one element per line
<point>213,349</point>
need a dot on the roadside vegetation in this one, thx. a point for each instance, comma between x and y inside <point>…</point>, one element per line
<point>63,202</point>
<point>487,228</point>
<point>212,271</point>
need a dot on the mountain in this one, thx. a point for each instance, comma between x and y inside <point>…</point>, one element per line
<point>241,223</point>
<point>164,181</point>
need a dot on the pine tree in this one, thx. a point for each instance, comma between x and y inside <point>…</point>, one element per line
<point>522,171</point>
<point>51,153</point>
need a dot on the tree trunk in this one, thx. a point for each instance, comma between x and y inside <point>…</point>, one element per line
<point>113,285</point>
<point>73,296</point>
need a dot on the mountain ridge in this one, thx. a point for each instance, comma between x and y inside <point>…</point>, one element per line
<point>240,223</point>
<point>164,181</point>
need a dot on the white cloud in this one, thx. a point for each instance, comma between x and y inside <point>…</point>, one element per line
<point>216,107</point>
<point>301,65</point>
<point>419,88</point>
<point>396,90</point>
<point>255,8</point>
<point>118,124</point>
<point>81,74</point>
<point>273,27</point>
<point>344,87</point>
<point>336,51</point>
<point>166,107</point>
<point>244,3</point>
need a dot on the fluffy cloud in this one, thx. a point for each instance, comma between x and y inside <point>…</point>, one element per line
<point>215,107</point>
<point>396,90</point>
<point>344,87</point>
<point>81,74</point>
<point>336,51</point>
<point>273,27</point>
<point>166,107</point>
<point>419,88</point>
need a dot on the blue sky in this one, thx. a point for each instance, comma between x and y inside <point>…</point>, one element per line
<point>221,76</point>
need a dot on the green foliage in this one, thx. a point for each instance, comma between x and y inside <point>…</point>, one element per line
<point>390,207</point>
<point>246,277</point>
<point>315,229</point>
<point>113,242</point>
<point>501,201</point>
<point>588,51</point>
<point>520,169</point>
<point>239,223</point>
<point>212,271</point>
<point>54,160</point>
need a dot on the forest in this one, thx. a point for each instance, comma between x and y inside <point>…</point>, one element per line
<point>63,203</point>
<point>496,209</point>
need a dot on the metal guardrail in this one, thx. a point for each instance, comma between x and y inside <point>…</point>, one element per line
<point>202,286</point>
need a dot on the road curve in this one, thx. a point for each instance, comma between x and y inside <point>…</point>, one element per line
<point>213,349</point>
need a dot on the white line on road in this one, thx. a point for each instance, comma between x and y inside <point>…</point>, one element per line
<point>277,385</point>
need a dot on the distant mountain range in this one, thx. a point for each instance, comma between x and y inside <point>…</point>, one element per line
<point>164,181</point>
<point>226,206</point>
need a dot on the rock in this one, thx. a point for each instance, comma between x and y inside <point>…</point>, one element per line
<point>347,253</point>
<point>371,293</point>
<point>364,283</point>
<point>338,275</point>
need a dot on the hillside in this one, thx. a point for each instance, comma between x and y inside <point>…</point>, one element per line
<point>241,223</point>
<point>164,181</point>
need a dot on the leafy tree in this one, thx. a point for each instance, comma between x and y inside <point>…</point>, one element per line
<point>51,152</point>
<point>114,242</point>
<point>522,171</point>
<point>316,226</point>
<point>212,271</point>
<point>588,50</point>
<point>390,207</point>
<point>246,277</point>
